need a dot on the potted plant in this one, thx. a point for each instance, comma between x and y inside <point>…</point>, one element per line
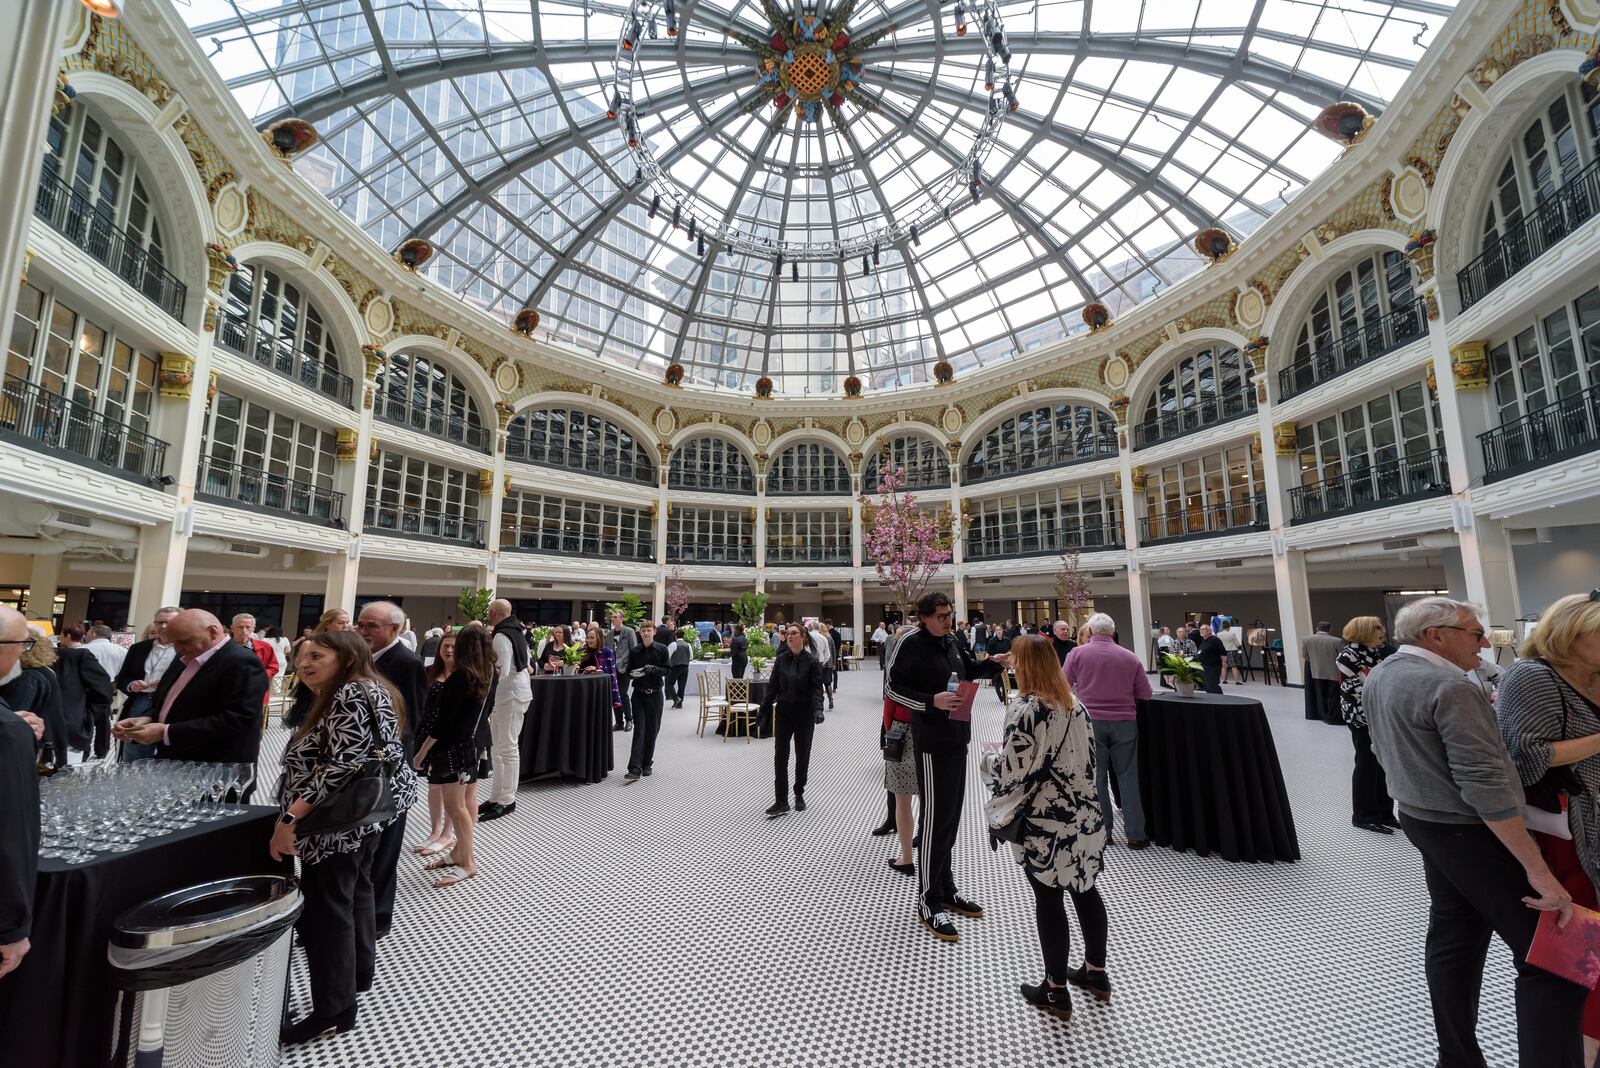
<point>1184,672</point>
<point>570,657</point>
<point>761,654</point>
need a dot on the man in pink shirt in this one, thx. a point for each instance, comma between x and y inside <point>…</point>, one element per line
<point>1108,680</point>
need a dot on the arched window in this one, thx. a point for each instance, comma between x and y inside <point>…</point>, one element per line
<point>254,456</point>
<point>712,464</point>
<point>92,191</point>
<point>808,468</point>
<point>1048,436</point>
<point>540,523</point>
<point>1547,183</point>
<point>1046,521</point>
<point>578,441</point>
<point>1365,312</point>
<point>815,537</point>
<point>1204,495</point>
<point>417,498</point>
<point>271,321</point>
<point>1205,388</point>
<point>425,395</point>
<point>711,535</point>
<point>925,462</point>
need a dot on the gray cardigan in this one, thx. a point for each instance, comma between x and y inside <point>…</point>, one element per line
<point>1435,735</point>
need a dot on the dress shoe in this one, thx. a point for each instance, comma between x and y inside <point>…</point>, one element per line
<point>799,801</point>
<point>1390,821</point>
<point>1138,843</point>
<point>1056,1000</point>
<point>780,808</point>
<point>485,807</point>
<point>903,869</point>
<point>647,771</point>
<point>1095,981</point>
<point>491,811</point>
<point>315,1026</point>
<point>883,830</point>
<point>1376,828</point>
<point>970,909</point>
<point>631,777</point>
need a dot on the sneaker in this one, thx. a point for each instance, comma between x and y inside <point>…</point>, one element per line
<point>970,909</point>
<point>1056,1000</point>
<point>1095,982</point>
<point>940,924</point>
<point>781,808</point>
<point>647,771</point>
<point>799,801</point>
<point>632,776</point>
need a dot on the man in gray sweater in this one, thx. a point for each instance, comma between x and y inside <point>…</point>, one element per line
<point>1461,805</point>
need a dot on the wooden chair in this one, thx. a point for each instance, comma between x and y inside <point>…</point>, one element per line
<point>740,714</point>
<point>711,698</point>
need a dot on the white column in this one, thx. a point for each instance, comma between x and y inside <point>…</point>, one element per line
<point>1138,621</point>
<point>158,569</point>
<point>1489,566</point>
<point>958,544</point>
<point>859,614</point>
<point>344,571</point>
<point>1139,611</point>
<point>43,579</point>
<point>1294,608</point>
<point>32,33</point>
<point>662,505</point>
<point>491,506</point>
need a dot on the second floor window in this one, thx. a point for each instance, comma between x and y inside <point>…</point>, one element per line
<point>62,352</point>
<point>578,441</point>
<point>1347,323</point>
<point>1380,430</point>
<point>711,464</point>
<point>1051,436</point>
<point>1044,521</point>
<point>813,537</point>
<point>415,391</point>
<point>268,319</point>
<point>1555,356</point>
<point>104,176</point>
<point>400,483</point>
<point>1206,387</point>
<point>538,522</point>
<point>1213,492</point>
<point>808,468</point>
<point>248,435</point>
<point>925,461</point>
<point>711,536</point>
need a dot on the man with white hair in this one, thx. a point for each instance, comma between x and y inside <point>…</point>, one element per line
<point>510,706</point>
<point>1461,803</point>
<point>243,630</point>
<point>19,801</point>
<point>1109,681</point>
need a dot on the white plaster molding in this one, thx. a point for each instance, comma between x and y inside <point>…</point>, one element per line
<point>1211,439</point>
<point>427,447</point>
<point>559,482</point>
<point>239,375</point>
<point>1406,363</point>
<point>1376,524</point>
<point>1568,267</point>
<point>386,545</point>
<point>91,289</point>
<point>1069,477</point>
<point>1185,553</point>
<point>1534,491</point>
<point>52,478</point>
<point>247,524</point>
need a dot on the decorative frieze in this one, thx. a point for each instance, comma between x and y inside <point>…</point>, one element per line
<point>1469,364</point>
<point>1285,439</point>
<point>176,377</point>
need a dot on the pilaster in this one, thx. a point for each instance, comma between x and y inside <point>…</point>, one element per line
<point>1294,606</point>
<point>158,566</point>
<point>44,579</point>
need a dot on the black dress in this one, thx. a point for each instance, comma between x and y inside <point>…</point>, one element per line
<point>459,725</point>
<point>739,649</point>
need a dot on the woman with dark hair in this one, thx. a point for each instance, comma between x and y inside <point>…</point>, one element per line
<point>452,750</point>
<point>795,688</point>
<point>441,835</point>
<point>1043,775</point>
<point>599,659</point>
<point>334,619</point>
<point>552,656</point>
<point>355,713</point>
<point>739,650</point>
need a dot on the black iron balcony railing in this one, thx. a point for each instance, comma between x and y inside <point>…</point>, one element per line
<point>592,546</point>
<point>424,524</point>
<point>35,417</point>
<point>1209,410</point>
<point>435,424</point>
<point>809,486</point>
<point>588,463</point>
<point>69,213</point>
<point>1532,236</point>
<point>815,555</point>
<point>1405,478</point>
<point>231,483</point>
<point>711,554</point>
<point>286,360</point>
<point>711,481</point>
<point>1205,521</point>
<point>1020,463</point>
<point>934,475</point>
<point>1336,355</point>
<point>1559,431</point>
<point>1049,543</point>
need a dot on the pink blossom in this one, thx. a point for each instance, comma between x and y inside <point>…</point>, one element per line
<point>906,544</point>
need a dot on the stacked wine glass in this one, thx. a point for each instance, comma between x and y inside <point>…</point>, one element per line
<point>111,808</point>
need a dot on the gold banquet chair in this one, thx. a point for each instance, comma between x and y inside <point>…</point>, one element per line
<point>740,712</point>
<point>711,698</point>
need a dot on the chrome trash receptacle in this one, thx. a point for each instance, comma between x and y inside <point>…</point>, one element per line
<point>201,974</point>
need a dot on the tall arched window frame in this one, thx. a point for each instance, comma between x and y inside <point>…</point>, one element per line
<point>1054,435</point>
<point>926,463</point>
<point>1365,311</point>
<point>1203,389</point>
<point>1046,521</point>
<point>537,522</point>
<point>711,464</point>
<point>424,394</point>
<point>261,458</point>
<point>412,496</point>
<point>577,440</point>
<point>268,319</point>
<point>808,468</point>
<point>1545,379</point>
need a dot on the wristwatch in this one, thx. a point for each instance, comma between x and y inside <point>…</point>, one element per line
<point>288,819</point>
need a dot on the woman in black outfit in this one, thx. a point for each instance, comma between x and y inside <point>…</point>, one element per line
<point>457,739</point>
<point>441,836</point>
<point>739,649</point>
<point>35,689</point>
<point>795,688</point>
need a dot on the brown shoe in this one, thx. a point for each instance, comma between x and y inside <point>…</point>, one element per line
<point>1138,843</point>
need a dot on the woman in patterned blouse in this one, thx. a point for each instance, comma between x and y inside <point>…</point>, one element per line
<point>1371,808</point>
<point>1044,771</point>
<point>338,927</point>
<point>599,659</point>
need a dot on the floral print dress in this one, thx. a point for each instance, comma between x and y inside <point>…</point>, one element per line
<point>1045,769</point>
<point>1354,662</point>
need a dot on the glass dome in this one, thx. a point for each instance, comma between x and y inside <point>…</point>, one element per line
<point>482,126</point>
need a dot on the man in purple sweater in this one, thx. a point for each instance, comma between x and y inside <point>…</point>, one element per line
<point>1108,679</point>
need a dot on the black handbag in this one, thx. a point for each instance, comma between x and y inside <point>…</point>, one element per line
<point>894,743</point>
<point>365,800</point>
<point>1557,780</point>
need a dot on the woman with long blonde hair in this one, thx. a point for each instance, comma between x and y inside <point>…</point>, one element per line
<point>1044,804</point>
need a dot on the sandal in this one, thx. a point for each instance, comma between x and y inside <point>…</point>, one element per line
<point>432,848</point>
<point>452,880</point>
<point>439,865</point>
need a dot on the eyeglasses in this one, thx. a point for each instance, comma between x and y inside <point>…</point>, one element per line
<point>1477,635</point>
<point>26,643</point>
<point>943,617</point>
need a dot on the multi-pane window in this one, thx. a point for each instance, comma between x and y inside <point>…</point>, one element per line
<point>1555,356</point>
<point>1366,311</point>
<point>268,319</point>
<point>710,463</point>
<point>711,535</point>
<point>808,468</point>
<point>1048,436</point>
<point>820,536</point>
<point>926,462</point>
<point>1045,521</point>
<point>1219,491</point>
<point>256,456</point>
<point>426,395</point>
<point>413,496</point>
<point>1379,431</point>
<point>104,177</point>
<point>1206,387</point>
<point>536,522</point>
<point>1554,149</point>
<point>578,441</point>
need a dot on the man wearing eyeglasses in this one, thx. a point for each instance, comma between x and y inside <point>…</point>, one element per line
<point>1461,803</point>
<point>919,670</point>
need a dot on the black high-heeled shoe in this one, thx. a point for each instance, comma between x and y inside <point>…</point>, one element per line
<point>885,829</point>
<point>315,1026</point>
<point>903,869</point>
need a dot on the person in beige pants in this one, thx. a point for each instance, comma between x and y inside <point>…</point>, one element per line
<point>510,705</point>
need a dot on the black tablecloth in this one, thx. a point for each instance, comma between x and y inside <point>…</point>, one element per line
<point>1210,780</point>
<point>57,1008</point>
<point>567,730</point>
<point>758,693</point>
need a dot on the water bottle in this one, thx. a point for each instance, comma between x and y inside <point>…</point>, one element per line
<point>954,684</point>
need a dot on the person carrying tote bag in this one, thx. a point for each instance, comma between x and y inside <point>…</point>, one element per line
<point>344,779</point>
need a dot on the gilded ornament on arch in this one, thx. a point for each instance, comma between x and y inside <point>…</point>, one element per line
<point>1255,445</point>
<point>1589,69</point>
<point>64,94</point>
<point>344,445</point>
<point>210,320</point>
<point>1432,379</point>
<point>288,138</point>
<point>1469,364</point>
<point>504,410</point>
<point>485,481</point>
<point>211,387</point>
<point>1215,244</point>
<point>375,358</point>
<point>1419,250</point>
<point>1256,349</point>
<point>222,263</point>
<point>1558,18</point>
<point>176,375</point>
<point>1285,439</point>
<point>1119,406</point>
<point>1422,167</point>
<point>505,486</point>
<point>1138,480</point>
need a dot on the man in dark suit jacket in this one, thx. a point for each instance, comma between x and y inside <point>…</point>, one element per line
<point>85,697</point>
<point>208,705</point>
<point>131,680</point>
<point>380,625</point>
<point>19,805</point>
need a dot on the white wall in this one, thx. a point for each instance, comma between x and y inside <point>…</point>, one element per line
<point>1546,571</point>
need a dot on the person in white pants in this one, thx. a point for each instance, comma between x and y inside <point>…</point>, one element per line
<point>510,705</point>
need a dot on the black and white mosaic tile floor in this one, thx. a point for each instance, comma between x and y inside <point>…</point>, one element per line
<point>669,923</point>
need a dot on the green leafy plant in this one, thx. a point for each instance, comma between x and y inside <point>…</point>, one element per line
<point>631,607</point>
<point>1181,668</point>
<point>473,603</point>
<point>572,654</point>
<point>749,608</point>
<point>536,636</point>
<point>760,652</point>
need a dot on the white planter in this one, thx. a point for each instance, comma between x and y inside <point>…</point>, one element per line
<point>1185,689</point>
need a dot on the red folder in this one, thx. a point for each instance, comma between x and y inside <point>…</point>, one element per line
<point>1572,952</point>
<point>968,692</point>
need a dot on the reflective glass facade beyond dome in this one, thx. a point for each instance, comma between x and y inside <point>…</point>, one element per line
<point>481,125</point>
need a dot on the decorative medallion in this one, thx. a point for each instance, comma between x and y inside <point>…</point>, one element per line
<point>1344,122</point>
<point>413,253</point>
<point>1096,316</point>
<point>943,373</point>
<point>1214,244</point>
<point>855,432</point>
<point>290,137</point>
<point>666,422</point>
<point>230,210</point>
<point>761,433</point>
<point>378,314</point>
<point>1250,307</point>
<point>852,387</point>
<point>674,375</point>
<point>526,321</point>
<point>1469,364</point>
<point>810,65</point>
<point>952,420</point>
<point>763,388</point>
<point>176,375</point>
<point>507,376</point>
<point>1285,439</point>
<point>1115,371</point>
<point>344,445</point>
<point>1408,195</point>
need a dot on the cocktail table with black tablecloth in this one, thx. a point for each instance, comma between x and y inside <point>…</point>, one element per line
<point>57,1008</point>
<point>758,693</point>
<point>567,730</point>
<point>1210,779</point>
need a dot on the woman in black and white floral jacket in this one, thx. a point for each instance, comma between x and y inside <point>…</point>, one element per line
<point>1044,773</point>
<point>338,927</point>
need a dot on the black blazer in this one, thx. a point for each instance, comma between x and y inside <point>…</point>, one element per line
<point>38,691</point>
<point>795,682</point>
<point>85,693</point>
<point>217,717</point>
<point>404,671</point>
<point>132,669</point>
<point>19,827</point>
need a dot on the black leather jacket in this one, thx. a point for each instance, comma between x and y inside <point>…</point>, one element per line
<point>796,683</point>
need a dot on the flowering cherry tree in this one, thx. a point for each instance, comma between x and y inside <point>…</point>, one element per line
<point>677,594</point>
<point>1072,587</point>
<point>906,544</point>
